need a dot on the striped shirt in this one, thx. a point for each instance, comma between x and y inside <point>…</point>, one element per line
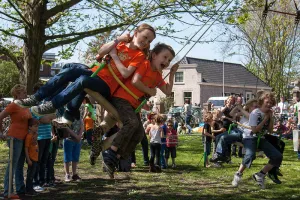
<point>44,131</point>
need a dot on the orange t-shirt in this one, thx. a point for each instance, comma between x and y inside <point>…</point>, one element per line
<point>19,121</point>
<point>88,123</point>
<point>32,145</point>
<point>129,57</point>
<point>149,77</point>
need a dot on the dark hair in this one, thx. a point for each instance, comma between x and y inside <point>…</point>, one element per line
<point>159,47</point>
<point>159,119</point>
<point>32,122</point>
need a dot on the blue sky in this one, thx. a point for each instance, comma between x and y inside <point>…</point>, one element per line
<point>208,51</point>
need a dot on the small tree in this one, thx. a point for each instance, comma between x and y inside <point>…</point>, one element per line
<point>9,76</point>
<point>168,102</point>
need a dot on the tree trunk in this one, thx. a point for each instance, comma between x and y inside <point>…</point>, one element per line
<point>33,46</point>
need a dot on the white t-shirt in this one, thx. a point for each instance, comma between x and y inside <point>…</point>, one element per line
<point>246,131</point>
<point>155,136</point>
<point>256,117</point>
<point>283,107</point>
<point>188,109</point>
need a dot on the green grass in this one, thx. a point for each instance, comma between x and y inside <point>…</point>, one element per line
<point>189,181</point>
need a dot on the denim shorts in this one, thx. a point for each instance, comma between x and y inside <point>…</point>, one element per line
<point>71,151</point>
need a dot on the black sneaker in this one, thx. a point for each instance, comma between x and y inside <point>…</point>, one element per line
<point>76,178</point>
<point>44,109</point>
<point>28,102</point>
<point>274,178</point>
<point>31,193</point>
<point>92,159</point>
<point>110,161</point>
<point>279,172</point>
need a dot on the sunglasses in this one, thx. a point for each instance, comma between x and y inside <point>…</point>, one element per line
<point>169,125</point>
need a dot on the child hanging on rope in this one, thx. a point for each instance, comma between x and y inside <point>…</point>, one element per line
<point>127,57</point>
<point>260,121</point>
<point>144,81</point>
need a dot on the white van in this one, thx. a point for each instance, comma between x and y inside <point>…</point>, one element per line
<point>218,102</point>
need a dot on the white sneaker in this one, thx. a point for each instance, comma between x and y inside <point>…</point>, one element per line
<point>67,178</point>
<point>38,188</point>
<point>236,179</point>
<point>260,179</point>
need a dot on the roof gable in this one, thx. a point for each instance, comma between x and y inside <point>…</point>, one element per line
<point>235,74</point>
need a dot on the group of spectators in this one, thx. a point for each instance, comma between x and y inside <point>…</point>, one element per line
<point>36,141</point>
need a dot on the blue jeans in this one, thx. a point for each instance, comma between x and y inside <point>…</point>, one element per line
<point>40,172</point>
<point>162,154</point>
<point>17,167</point>
<point>74,93</point>
<point>30,173</point>
<point>50,175</point>
<point>188,119</point>
<point>224,140</point>
<point>145,148</point>
<point>250,145</point>
<point>298,154</point>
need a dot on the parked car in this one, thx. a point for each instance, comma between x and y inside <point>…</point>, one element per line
<point>178,114</point>
<point>218,102</point>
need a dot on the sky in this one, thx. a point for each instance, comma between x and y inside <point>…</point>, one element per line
<point>210,51</point>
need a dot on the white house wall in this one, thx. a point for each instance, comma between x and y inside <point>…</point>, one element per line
<point>191,80</point>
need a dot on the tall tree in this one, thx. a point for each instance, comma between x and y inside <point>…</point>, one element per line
<point>270,45</point>
<point>36,26</point>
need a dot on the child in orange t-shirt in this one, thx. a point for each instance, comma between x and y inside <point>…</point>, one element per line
<point>32,154</point>
<point>144,81</point>
<point>127,55</point>
<point>88,127</point>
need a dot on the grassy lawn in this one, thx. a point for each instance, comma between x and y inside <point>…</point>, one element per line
<point>188,181</point>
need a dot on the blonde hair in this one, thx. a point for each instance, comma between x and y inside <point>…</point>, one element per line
<point>265,95</point>
<point>249,103</point>
<point>207,117</point>
<point>16,90</point>
<point>215,114</point>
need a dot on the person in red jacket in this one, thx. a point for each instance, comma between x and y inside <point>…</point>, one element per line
<point>172,142</point>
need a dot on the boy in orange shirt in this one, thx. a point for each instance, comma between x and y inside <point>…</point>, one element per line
<point>32,154</point>
<point>144,81</point>
<point>88,127</point>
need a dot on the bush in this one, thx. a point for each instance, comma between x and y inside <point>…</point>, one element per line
<point>9,76</point>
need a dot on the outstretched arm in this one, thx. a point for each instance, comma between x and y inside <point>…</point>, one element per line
<point>106,48</point>
<point>167,88</point>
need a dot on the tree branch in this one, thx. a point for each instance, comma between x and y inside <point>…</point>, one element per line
<point>11,34</point>
<point>79,36</point>
<point>11,17</point>
<point>19,13</point>
<point>11,56</point>
<point>60,8</point>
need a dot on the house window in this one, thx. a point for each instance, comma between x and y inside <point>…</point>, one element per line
<point>179,77</point>
<point>248,96</point>
<point>41,67</point>
<point>187,95</point>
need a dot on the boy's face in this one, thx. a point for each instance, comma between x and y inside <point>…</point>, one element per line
<point>34,128</point>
